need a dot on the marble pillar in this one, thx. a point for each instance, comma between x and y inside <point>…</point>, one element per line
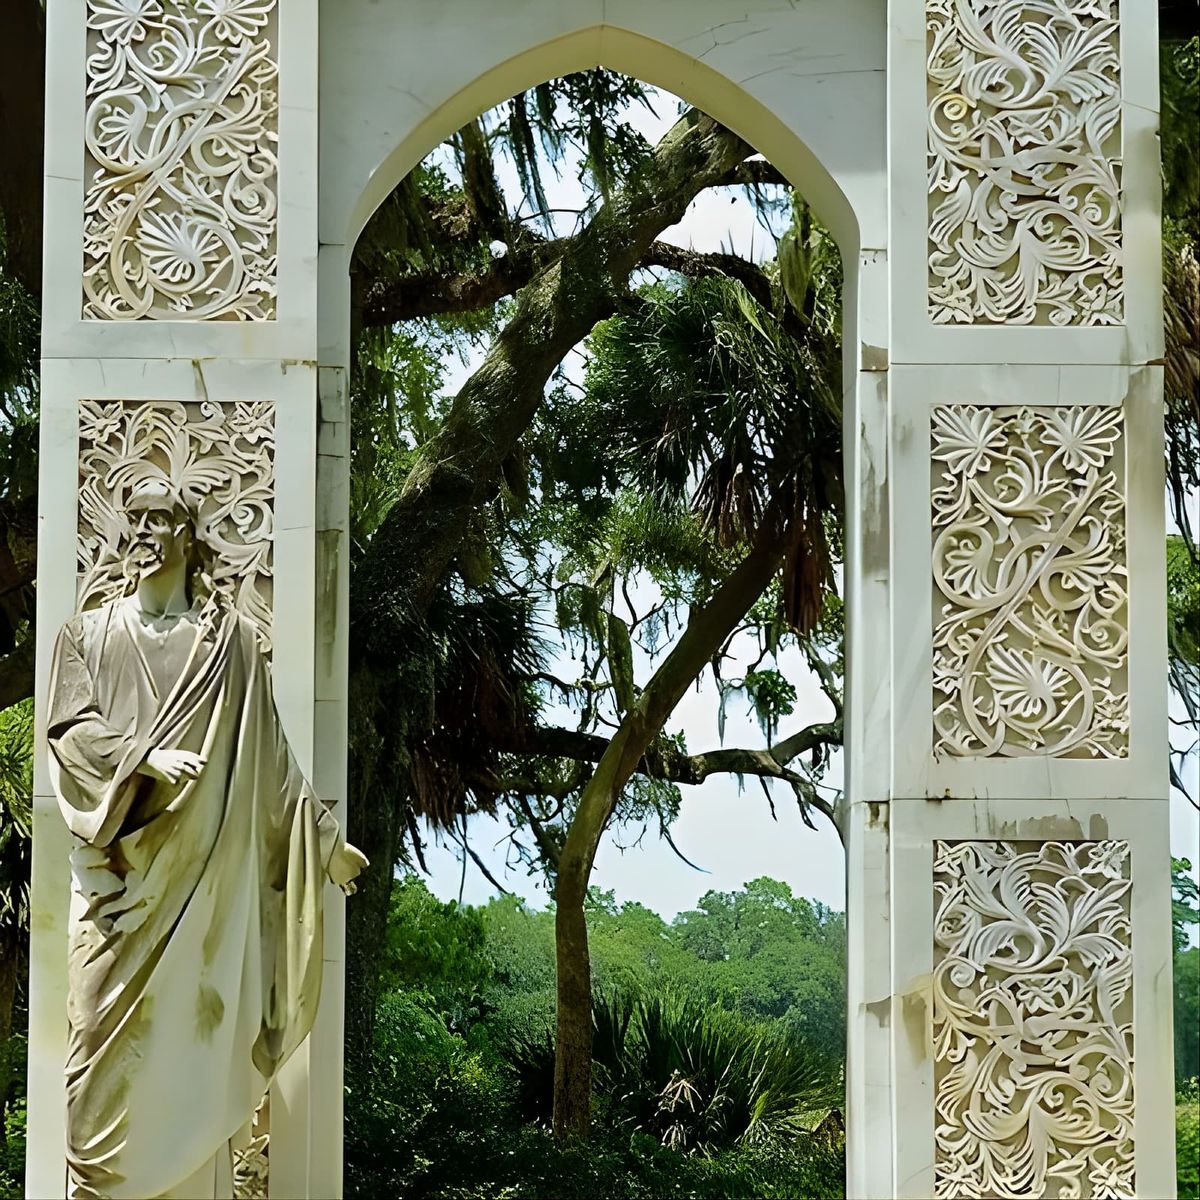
<point>180,297</point>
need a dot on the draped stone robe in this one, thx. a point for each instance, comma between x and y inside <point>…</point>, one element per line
<point>196,916</point>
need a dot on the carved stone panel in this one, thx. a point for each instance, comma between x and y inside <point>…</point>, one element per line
<point>1033,1019</point>
<point>1024,162</point>
<point>219,457</point>
<point>180,161</point>
<point>1030,586</point>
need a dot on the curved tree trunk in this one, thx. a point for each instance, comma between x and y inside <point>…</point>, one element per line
<point>460,469</point>
<point>703,637</point>
<point>373,816</point>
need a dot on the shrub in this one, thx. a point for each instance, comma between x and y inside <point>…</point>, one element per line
<point>433,1117</point>
<point>691,1076</point>
<point>12,1154</point>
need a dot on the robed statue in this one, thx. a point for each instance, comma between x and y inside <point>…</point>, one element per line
<point>196,909</point>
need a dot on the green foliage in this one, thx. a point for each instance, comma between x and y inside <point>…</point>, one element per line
<point>1186,970</point>
<point>772,955</point>
<point>425,1113</point>
<point>443,1114</point>
<point>12,1152</point>
<point>16,812</point>
<point>1183,602</point>
<point>395,409</point>
<point>438,1143</point>
<point>1179,81</point>
<point>772,696</point>
<point>697,1079</point>
<point>1185,902</point>
<point>1187,1142</point>
<point>19,319</point>
<point>1187,1013</point>
<point>710,399</point>
<point>437,948</point>
<point>1185,913</point>
<point>582,112</point>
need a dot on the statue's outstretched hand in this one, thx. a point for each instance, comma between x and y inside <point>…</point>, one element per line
<point>172,765</point>
<point>347,862</point>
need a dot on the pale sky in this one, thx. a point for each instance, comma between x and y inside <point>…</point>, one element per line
<point>727,831</point>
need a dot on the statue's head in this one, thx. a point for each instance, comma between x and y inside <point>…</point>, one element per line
<point>162,529</point>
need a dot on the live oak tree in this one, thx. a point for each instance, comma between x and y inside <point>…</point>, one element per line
<point>714,484</point>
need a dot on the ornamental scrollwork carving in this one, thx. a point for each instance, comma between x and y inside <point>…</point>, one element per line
<point>1030,599</point>
<point>218,457</point>
<point>252,1161</point>
<point>1033,1020</point>
<point>180,169</point>
<point>1024,162</point>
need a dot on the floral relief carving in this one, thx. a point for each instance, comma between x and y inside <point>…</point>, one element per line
<point>252,1161</point>
<point>1033,1019</point>
<point>251,1170</point>
<point>1024,162</point>
<point>218,457</point>
<point>180,164</point>
<point>1030,602</point>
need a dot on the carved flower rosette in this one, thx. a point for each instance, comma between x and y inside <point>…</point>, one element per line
<point>220,460</point>
<point>1024,140</point>
<point>1033,1020</point>
<point>180,166</point>
<point>1030,637</point>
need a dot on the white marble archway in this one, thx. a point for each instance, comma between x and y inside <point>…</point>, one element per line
<point>1005,739</point>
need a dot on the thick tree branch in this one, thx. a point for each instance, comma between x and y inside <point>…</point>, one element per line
<point>459,469</point>
<point>754,172</point>
<point>696,266</point>
<point>16,674</point>
<point>707,628</point>
<point>433,293</point>
<point>676,766</point>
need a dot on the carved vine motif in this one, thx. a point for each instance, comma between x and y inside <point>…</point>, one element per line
<point>1024,162</point>
<point>181,127</point>
<point>220,457</point>
<point>1030,606</point>
<point>252,1162</point>
<point>1033,1019</point>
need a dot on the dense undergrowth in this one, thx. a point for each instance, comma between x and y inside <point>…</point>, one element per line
<point>437,1114</point>
<point>705,1085</point>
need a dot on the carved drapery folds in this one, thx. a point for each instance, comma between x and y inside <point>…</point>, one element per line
<point>1024,162</point>
<point>180,166</point>
<point>219,457</point>
<point>1033,1019</point>
<point>1030,604</point>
